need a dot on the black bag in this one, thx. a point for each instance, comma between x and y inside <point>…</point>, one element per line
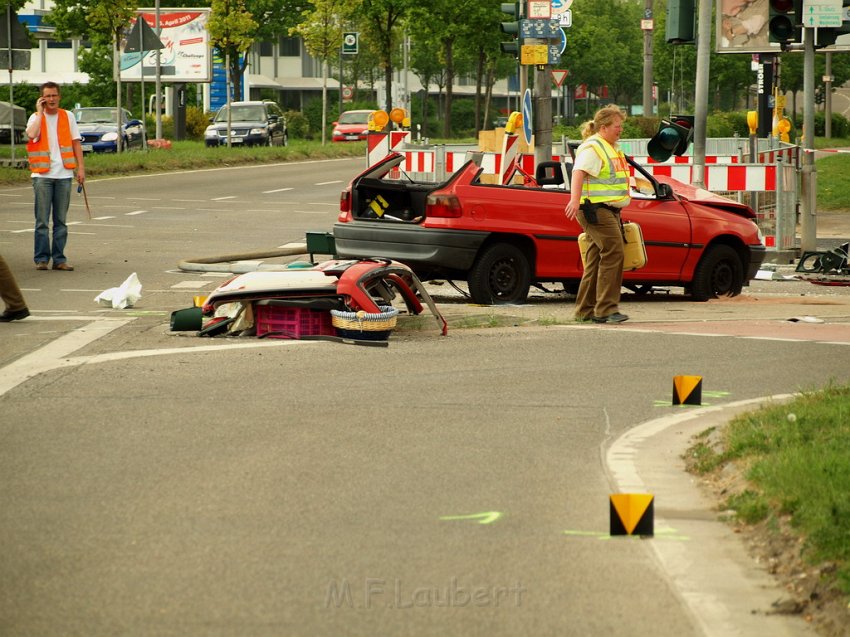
<point>589,209</point>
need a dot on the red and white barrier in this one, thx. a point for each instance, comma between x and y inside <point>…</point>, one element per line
<point>510,148</point>
<point>720,178</point>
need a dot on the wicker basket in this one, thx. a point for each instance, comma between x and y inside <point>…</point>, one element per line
<point>365,325</point>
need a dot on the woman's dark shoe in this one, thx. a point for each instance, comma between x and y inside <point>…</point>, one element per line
<point>15,315</point>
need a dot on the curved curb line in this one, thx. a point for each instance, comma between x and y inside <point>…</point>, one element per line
<point>726,592</point>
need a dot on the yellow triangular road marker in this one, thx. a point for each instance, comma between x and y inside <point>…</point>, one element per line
<point>630,508</point>
<point>684,390</point>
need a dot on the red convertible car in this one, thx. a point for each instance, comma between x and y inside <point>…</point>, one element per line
<point>502,239</point>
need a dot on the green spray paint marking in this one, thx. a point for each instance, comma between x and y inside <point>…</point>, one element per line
<point>483,518</point>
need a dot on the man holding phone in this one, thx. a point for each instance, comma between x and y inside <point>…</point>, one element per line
<point>54,153</point>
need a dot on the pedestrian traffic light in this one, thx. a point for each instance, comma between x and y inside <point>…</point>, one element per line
<point>673,137</point>
<point>511,28</point>
<point>785,19</point>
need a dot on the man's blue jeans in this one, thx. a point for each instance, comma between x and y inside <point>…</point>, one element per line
<point>52,197</point>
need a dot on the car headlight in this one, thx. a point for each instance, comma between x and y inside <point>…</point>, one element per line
<point>210,132</point>
<point>259,131</point>
<point>109,137</point>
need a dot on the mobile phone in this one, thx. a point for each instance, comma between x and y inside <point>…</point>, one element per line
<point>79,189</point>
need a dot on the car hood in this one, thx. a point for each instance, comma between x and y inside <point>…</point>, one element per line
<point>689,192</point>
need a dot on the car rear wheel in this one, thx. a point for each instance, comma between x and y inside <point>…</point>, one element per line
<point>719,273</point>
<point>501,274</point>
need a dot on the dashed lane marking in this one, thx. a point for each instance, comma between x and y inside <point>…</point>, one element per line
<point>269,192</point>
<point>190,284</point>
<point>328,183</point>
<point>135,212</point>
<point>104,218</point>
<point>223,198</point>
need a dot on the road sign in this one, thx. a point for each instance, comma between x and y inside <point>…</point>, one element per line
<point>347,93</point>
<point>559,6</point>
<point>822,13</point>
<point>142,38</point>
<point>558,76</point>
<point>563,45</point>
<point>526,116</point>
<point>541,29</point>
<point>15,44</point>
<point>350,43</point>
<point>540,9</point>
<point>565,19</point>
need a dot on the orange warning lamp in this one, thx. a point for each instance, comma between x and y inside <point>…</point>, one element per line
<point>514,123</point>
<point>783,127</point>
<point>378,120</point>
<point>753,121</point>
<point>397,115</point>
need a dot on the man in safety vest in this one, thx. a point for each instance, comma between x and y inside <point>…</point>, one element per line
<point>599,189</point>
<point>54,152</point>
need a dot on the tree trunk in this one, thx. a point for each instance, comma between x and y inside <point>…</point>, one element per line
<point>450,74</point>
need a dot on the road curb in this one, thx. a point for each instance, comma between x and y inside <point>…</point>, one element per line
<point>705,561</point>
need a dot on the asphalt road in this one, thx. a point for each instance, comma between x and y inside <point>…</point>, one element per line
<point>158,483</point>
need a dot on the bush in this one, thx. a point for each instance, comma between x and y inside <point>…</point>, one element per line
<point>196,122</point>
<point>297,125</point>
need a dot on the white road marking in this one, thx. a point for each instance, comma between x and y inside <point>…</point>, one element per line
<point>327,183</point>
<point>190,200</point>
<point>190,284</point>
<point>103,218</point>
<point>311,212</point>
<point>323,203</point>
<point>268,192</point>
<point>135,212</point>
<point>223,198</point>
<point>20,231</point>
<point>169,207</point>
<point>6,194</point>
<point>55,354</point>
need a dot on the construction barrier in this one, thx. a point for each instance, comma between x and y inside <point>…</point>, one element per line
<point>770,184</point>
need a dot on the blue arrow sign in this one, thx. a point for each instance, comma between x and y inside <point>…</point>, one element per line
<point>526,116</point>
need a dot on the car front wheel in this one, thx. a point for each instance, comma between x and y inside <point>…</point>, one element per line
<point>501,274</point>
<point>719,273</point>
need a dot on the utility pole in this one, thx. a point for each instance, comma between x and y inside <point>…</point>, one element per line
<point>647,26</point>
<point>701,91</point>
<point>808,219</point>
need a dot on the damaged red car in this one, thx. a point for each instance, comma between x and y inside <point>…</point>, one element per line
<point>502,239</point>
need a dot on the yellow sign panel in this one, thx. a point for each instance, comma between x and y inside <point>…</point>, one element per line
<point>780,102</point>
<point>630,513</point>
<point>533,54</point>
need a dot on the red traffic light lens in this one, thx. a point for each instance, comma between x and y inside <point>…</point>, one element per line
<point>782,5</point>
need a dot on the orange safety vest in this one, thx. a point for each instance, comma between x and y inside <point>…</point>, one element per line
<point>38,152</point>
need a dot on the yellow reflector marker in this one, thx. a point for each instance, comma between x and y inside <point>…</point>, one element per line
<point>687,390</point>
<point>514,123</point>
<point>632,514</point>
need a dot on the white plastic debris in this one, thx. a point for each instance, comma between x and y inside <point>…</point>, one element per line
<point>125,295</point>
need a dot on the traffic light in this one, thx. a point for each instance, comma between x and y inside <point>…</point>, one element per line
<point>681,22</point>
<point>673,137</point>
<point>511,28</point>
<point>785,19</point>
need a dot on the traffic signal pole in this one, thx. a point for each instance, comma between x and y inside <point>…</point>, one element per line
<point>808,218</point>
<point>701,91</point>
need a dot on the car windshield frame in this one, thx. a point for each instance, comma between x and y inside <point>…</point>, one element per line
<point>95,115</point>
<point>242,113</point>
<point>358,117</point>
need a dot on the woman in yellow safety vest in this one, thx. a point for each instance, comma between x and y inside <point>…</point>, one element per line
<point>599,189</point>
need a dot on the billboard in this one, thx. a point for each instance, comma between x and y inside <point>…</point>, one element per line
<point>742,27</point>
<point>186,55</point>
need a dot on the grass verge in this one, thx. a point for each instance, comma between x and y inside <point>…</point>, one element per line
<point>796,459</point>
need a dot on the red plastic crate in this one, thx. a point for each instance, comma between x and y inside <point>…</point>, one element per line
<point>292,322</point>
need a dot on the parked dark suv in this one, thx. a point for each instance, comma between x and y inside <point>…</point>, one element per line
<point>260,123</point>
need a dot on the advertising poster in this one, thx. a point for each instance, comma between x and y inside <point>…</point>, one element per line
<point>186,55</point>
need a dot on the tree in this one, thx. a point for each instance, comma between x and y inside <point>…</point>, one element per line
<point>232,29</point>
<point>379,22</point>
<point>321,31</point>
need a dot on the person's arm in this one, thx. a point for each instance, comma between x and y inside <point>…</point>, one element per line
<point>78,155</point>
<point>34,129</point>
<point>576,186</point>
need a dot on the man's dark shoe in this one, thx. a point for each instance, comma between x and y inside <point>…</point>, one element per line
<point>16,315</point>
<point>63,266</point>
<point>41,265</point>
<point>616,317</point>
